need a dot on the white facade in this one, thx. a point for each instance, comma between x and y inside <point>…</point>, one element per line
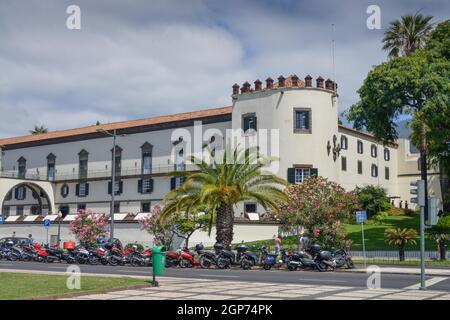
<point>302,118</point>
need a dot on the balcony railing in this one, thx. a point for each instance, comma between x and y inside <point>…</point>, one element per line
<point>93,174</point>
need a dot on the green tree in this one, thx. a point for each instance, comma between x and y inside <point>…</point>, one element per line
<point>441,233</point>
<point>222,183</point>
<point>373,199</point>
<point>406,35</point>
<point>319,206</point>
<point>417,86</point>
<point>39,130</point>
<point>186,225</point>
<point>400,238</point>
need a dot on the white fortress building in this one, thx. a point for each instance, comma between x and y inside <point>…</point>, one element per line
<point>65,171</point>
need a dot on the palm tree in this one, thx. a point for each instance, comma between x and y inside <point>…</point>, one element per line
<point>39,130</point>
<point>400,237</point>
<point>220,185</point>
<point>406,35</point>
<point>402,38</point>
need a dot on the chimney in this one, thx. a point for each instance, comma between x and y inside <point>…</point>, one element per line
<point>281,81</point>
<point>294,79</point>
<point>329,85</point>
<point>258,85</point>
<point>245,87</point>
<point>269,83</point>
<point>308,81</point>
<point>235,89</point>
<point>319,82</point>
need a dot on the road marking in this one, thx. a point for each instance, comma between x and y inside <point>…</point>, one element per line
<point>219,276</point>
<point>134,271</point>
<point>323,280</point>
<point>56,267</point>
<point>428,283</point>
<point>6,264</point>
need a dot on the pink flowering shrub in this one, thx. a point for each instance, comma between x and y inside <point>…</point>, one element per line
<point>162,232</point>
<point>320,206</point>
<point>87,226</point>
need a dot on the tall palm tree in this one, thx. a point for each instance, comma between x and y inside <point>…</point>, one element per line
<point>400,237</point>
<point>406,35</point>
<point>402,38</point>
<point>39,130</point>
<point>222,183</point>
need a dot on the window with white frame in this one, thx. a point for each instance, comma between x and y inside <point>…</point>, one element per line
<point>301,174</point>
<point>374,170</point>
<point>344,142</point>
<point>373,151</point>
<point>360,147</point>
<point>82,189</point>
<point>147,185</point>
<point>387,154</point>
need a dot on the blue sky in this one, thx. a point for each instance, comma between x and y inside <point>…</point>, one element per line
<point>140,58</point>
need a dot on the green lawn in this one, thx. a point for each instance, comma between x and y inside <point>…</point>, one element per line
<point>373,233</point>
<point>26,285</point>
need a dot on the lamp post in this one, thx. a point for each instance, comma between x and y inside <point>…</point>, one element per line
<point>113,179</point>
<point>59,228</point>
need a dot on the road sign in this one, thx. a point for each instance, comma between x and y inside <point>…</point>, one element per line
<point>361,216</point>
<point>47,223</point>
<point>1,219</point>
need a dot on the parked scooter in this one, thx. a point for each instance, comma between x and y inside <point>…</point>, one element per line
<point>323,258</point>
<point>246,259</point>
<point>208,258</point>
<point>269,260</point>
<point>301,259</point>
<point>226,255</point>
<point>186,259</point>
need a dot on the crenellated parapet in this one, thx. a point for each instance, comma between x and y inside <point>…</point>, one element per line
<point>292,81</point>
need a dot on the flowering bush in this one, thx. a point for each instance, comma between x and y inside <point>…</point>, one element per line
<point>319,206</point>
<point>87,226</point>
<point>162,232</point>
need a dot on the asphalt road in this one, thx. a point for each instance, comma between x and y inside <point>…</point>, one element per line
<point>337,278</point>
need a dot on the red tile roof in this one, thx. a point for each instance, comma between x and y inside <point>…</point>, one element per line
<point>55,135</point>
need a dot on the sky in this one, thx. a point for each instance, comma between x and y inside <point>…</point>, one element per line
<point>142,58</point>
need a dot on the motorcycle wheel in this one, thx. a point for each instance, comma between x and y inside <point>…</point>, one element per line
<point>27,258</point>
<point>267,266</point>
<point>292,268</point>
<point>113,262</point>
<point>13,257</point>
<point>185,263</point>
<point>135,262</point>
<point>204,264</point>
<point>104,261</point>
<point>350,264</point>
<point>321,266</point>
<point>93,261</point>
<point>246,265</point>
<point>223,263</point>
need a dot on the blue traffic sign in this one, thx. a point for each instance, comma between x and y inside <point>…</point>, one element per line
<point>47,223</point>
<point>361,216</point>
<point>1,219</point>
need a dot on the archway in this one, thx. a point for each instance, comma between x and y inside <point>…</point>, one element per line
<point>42,191</point>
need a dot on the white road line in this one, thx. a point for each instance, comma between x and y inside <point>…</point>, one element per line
<point>428,283</point>
<point>323,280</point>
<point>219,276</point>
<point>134,271</point>
<point>6,264</point>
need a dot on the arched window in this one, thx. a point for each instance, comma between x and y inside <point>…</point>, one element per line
<point>147,150</point>
<point>387,154</point>
<point>344,142</point>
<point>374,170</point>
<point>83,164</point>
<point>22,165</point>
<point>51,160</point>
<point>118,160</point>
<point>373,151</point>
<point>360,147</point>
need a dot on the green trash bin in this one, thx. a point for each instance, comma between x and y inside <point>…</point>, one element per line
<point>159,260</point>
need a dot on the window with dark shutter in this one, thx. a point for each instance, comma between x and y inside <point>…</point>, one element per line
<point>249,122</point>
<point>360,169</point>
<point>291,175</point>
<point>344,164</point>
<point>172,183</point>
<point>386,173</point>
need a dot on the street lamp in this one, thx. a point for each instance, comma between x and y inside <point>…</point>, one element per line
<point>59,228</point>
<point>113,178</point>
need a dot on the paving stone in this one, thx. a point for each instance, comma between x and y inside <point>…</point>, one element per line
<point>280,295</point>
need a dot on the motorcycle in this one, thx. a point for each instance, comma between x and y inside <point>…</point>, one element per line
<point>246,259</point>
<point>97,256</point>
<point>301,259</point>
<point>323,258</point>
<point>208,258</point>
<point>341,258</point>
